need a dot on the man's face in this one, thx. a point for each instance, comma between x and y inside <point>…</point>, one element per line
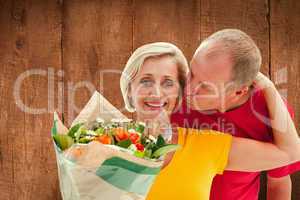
<point>209,85</point>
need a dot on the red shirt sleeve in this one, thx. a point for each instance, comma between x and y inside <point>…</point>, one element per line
<point>286,170</point>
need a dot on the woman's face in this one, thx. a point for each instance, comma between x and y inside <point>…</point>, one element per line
<point>155,87</point>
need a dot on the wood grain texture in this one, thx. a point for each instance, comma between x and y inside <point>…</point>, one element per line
<point>80,46</point>
<point>31,42</point>
<point>248,16</point>
<point>285,59</point>
<point>172,21</point>
<point>285,51</point>
<point>97,41</point>
<point>9,111</point>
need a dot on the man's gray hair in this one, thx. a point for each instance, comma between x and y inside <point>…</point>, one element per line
<point>245,54</point>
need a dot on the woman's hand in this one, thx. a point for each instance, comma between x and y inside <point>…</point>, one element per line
<point>262,81</point>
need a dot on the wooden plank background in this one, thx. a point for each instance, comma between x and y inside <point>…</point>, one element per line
<point>70,48</point>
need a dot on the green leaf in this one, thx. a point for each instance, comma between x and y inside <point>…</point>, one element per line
<point>125,143</point>
<point>100,131</point>
<point>160,141</point>
<point>148,153</point>
<point>164,150</point>
<point>63,141</point>
<point>144,140</point>
<point>152,146</point>
<point>130,125</point>
<point>140,127</point>
<point>54,128</point>
<point>74,129</point>
<point>79,132</point>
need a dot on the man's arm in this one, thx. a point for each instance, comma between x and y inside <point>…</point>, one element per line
<point>279,188</point>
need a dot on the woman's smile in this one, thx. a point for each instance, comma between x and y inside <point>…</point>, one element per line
<point>155,104</point>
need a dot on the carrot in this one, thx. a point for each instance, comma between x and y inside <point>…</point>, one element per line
<point>104,139</point>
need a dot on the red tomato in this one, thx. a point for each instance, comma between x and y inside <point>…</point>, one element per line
<point>139,146</point>
<point>134,137</point>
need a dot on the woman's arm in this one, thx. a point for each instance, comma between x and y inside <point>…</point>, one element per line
<point>251,155</point>
<point>284,131</point>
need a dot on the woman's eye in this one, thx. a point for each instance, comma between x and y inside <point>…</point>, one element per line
<point>146,82</point>
<point>168,83</point>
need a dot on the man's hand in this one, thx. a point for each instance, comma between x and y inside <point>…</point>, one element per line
<point>279,188</point>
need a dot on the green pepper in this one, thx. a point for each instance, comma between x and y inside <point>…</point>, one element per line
<point>164,150</point>
<point>84,140</point>
<point>63,141</point>
<point>139,154</point>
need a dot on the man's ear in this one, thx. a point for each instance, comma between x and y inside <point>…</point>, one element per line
<point>242,91</point>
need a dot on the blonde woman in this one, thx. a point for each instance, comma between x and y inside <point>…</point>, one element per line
<point>151,84</point>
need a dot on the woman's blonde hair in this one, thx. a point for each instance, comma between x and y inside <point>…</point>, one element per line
<point>138,58</point>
